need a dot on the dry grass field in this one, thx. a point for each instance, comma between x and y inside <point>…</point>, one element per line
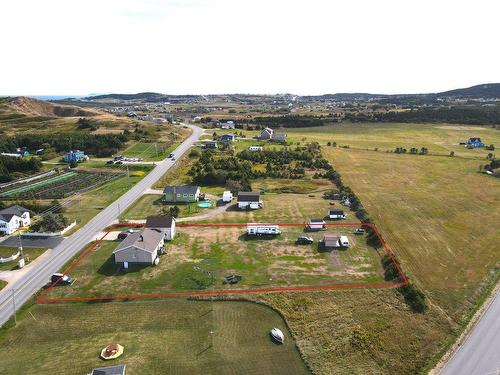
<point>438,215</point>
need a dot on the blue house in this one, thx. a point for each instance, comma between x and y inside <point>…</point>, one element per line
<point>75,156</point>
<point>474,143</point>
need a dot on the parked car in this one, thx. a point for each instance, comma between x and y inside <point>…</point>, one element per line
<point>124,234</point>
<point>171,156</point>
<point>305,240</point>
<point>232,279</point>
<point>359,231</point>
<point>65,280</point>
<point>110,162</point>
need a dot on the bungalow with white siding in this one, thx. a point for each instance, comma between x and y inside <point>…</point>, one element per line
<point>141,248</point>
<point>164,223</point>
<point>13,218</point>
<point>249,200</point>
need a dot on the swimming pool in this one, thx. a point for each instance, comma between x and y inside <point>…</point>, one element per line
<point>205,204</point>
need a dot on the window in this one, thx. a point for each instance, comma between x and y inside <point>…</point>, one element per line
<point>184,195</point>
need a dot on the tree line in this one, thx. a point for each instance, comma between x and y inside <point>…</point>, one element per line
<point>456,115</point>
<point>9,166</point>
<point>101,145</point>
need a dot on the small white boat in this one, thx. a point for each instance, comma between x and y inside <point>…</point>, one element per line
<point>277,335</point>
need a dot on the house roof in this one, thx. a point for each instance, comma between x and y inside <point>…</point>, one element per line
<point>336,211</point>
<point>279,136</point>
<point>7,213</point>
<point>248,196</point>
<point>159,221</point>
<point>184,189</point>
<point>330,239</point>
<point>111,370</point>
<point>147,240</point>
<point>319,221</point>
<point>268,130</point>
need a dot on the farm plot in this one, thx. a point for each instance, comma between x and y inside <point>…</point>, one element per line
<point>200,258</point>
<point>61,185</point>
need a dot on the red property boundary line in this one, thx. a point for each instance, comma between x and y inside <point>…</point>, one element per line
<point>42,299</point>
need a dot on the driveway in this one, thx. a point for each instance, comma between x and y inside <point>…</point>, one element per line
<point>48,242</point>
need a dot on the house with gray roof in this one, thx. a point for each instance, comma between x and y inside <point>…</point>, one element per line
<point>140,247</point>
<point>13,218</point>
<point>249,200</point>
<point>181,194</point>
<point>165,223</point>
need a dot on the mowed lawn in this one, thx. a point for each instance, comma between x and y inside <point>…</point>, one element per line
<point>199,258</point>
<point>149,151</point>
<point>173,336</point>
<point>438,214</point>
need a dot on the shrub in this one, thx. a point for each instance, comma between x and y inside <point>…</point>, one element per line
<point>414,297</point>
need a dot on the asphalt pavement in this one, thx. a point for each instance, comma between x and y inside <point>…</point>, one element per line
<point>480,353</point>
<point>24,288</point>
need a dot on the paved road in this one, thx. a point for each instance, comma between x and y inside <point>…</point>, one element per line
<point>480,353</point>
<point>26,286</point>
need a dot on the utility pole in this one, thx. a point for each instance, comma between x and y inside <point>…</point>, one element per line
<point>20,245</point>
<point>156,149</point>
<point>128,172</point>
<point>14,306</point>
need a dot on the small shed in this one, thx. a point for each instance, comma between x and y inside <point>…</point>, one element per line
<point>331,241</point>
<point>335,213</point>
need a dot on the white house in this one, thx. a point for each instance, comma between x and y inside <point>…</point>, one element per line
<point>336,214</point>
<point>13,218</point>
<point>249,200</point>
<point>140,247</point>
<point>227,125</point>
<point>164,223</point>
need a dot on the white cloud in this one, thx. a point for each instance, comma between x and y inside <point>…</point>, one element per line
<point>259,46</point>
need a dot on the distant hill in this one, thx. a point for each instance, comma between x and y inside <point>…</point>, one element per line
<point>488,90</point>
<point>148,96</point>
<point>33,107</point>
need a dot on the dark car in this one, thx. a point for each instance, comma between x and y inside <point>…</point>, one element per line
<point>171,156</point>
<point>359,231</point>
<point>124,234</point>
<point>110,162</point>
<point>232,279</point>
<point>305,240</point>
<point>65,279</point>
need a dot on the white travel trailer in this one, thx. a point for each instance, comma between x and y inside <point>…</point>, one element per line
<point>255,148</point>
<point>263,229</point>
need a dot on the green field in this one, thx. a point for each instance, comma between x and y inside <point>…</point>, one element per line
<point>174,336</point>
<point>150,151</point>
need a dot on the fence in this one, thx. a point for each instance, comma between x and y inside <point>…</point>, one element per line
<point>11,258</point>
<point>49,234</point>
